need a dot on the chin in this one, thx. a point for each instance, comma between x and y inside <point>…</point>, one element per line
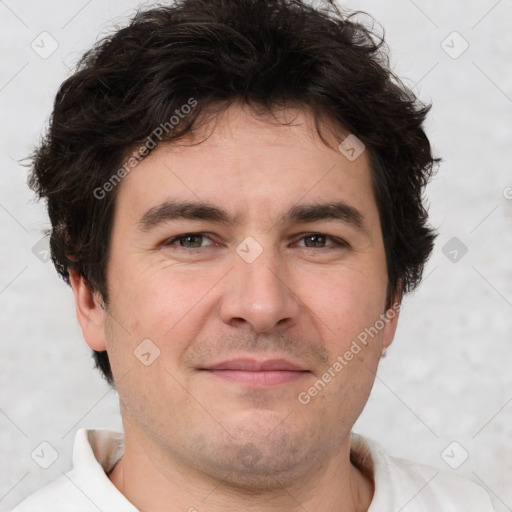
<point>257,468</point>
<point>262,455</point>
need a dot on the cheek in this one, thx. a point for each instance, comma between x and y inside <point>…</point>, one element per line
<point>163,303</point>
<point>153,322</point>
<point>346,300</point>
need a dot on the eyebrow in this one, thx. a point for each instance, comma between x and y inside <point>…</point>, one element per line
<point>174,210</point>
<point>324,211</point>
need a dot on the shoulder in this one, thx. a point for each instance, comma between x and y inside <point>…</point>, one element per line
<point>438,489</point>
<point>86,488</point>
<point>60,495</point>
<point>413,487</point>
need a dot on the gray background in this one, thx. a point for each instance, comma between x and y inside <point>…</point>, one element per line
<point>447,376</point>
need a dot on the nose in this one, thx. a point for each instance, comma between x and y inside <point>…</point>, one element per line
<point>259,294</point>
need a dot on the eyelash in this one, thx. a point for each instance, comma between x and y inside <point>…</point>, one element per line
<point>336,241</point>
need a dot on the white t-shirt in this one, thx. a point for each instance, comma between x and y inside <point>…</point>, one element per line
<point>400,485</point>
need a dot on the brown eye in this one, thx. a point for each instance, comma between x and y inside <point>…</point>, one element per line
<point>315,240</point>
<point>320,241</point>
<point>190,241</point>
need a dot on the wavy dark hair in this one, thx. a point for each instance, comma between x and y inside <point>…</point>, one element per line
<point>267,54</point>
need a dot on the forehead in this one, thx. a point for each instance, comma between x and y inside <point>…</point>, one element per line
<point>252,165</point>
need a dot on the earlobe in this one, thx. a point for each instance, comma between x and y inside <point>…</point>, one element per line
<point>391,319</point>
<point>89,312</point>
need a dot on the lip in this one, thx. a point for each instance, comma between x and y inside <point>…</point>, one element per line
<point>257,373</point>
<point>254,365</point>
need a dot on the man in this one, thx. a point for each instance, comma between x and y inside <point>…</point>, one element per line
<point>235,190</point>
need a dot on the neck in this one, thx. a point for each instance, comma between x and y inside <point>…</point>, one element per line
<point>152,481</point>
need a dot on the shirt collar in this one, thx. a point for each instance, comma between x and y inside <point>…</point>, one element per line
<point>95,454</point>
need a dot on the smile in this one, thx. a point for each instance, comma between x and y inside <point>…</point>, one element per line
<point>250,372</point>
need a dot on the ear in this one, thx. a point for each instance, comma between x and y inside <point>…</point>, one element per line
<point>89,312</point>
<point>391,319</point>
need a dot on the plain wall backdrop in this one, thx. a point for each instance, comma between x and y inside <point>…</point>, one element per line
<point>443,393</point>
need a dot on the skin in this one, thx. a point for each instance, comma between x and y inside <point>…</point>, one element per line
<point>194,440</point>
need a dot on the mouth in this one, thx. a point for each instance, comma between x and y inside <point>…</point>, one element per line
<point>263,373</point>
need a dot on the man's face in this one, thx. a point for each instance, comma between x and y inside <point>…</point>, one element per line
<point>248,312</point>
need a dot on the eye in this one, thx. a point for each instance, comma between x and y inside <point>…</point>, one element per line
<point>190,241</point>
<point>319,240</point>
